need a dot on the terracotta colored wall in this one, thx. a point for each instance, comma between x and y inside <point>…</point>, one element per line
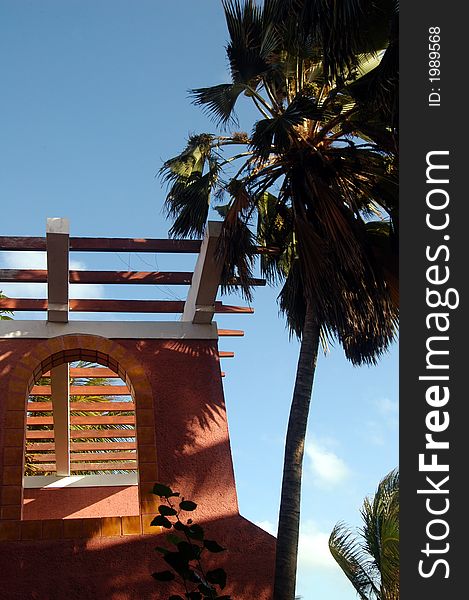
<point>80,502</point>
<point>192,439</point>
<point>193,452</point>
<point>119,568</point>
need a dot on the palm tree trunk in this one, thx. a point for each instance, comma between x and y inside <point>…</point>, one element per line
<point>289,516</point>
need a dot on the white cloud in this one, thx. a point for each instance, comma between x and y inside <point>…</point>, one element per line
<point>37,260</point>
<point>389,409</point>
<point>385,425</point>
<point>313,548</point>
<point>267,526</point>
<point>328,468</point>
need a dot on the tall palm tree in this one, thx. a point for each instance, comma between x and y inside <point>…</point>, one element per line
<point>314,184</point>
<point>371,559</point>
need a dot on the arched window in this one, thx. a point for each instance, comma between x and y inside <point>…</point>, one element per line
<point>81,440</point>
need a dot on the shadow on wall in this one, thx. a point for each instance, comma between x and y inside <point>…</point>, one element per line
<point>193,448</point>
<point>194,370</point>
<point>120,569</point>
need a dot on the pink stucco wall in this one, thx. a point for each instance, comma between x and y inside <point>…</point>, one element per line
<point>80,502</point>
<point>193,457</point>
<point>120,568</point>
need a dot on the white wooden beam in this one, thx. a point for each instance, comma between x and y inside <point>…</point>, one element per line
<point>200,304</point>
<point>60,396</point>
<point>57,236</point>
<point>134,330</point>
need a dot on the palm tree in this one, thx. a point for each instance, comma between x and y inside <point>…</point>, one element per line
<point>371,560</point>
<point>314,184</point>
<point>5,315</point>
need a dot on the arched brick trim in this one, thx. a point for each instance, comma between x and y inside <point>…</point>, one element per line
<point>51,353</point>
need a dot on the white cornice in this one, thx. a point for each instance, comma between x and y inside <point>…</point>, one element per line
<point>169,330</point>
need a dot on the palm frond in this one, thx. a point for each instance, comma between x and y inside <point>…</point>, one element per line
<point>371,560</point>
<point>353,560</point>
<point>236,245</point>
<point>219,101</point>
<point>292,300</point>
<point>190,160</point>
<point>188,197</point>
<point>252,41</point>
<point>275,233</point>
<point>188,203</point>
<point>277,134</point>
<point>381,533</point>
<point>5,315</point>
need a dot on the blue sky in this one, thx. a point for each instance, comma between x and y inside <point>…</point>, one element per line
<point>94,97</point>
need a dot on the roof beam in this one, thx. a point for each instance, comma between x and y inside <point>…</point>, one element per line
<point>57,241</point>
<point>108,305</point>
<point>83,433</point>
<point>85,244</point>
<point>85,372</point>
<point>109,277</point>
<point>83,390</point>
<point>87,456</point>
<point>44,446</point>
<point>90,244</point>
<point>112,277</point>
<point>89,420</point>
<point>60,396</point>
<point>111,466</point>
<point>83,406</point>
<point>200,304</point>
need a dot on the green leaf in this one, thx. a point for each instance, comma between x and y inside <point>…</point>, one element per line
<point>180,526</point>
<point>213,546</point>
<point>5,315</point>
<point>166,511</point>
<point>161,521</point>
<point>219,101</point>
<point>164,576</point>
<point>161,550</point>
<point>252,40</point>
<point>187,505</point>
<point>217,577</point>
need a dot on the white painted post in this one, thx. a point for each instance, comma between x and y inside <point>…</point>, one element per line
<point>200,304</point>
<point>60,396</point>
<point>57,243</point>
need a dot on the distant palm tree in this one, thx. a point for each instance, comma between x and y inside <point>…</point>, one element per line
<point>370,559</point>
<point>314,184</point>
<point>5,315</point>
